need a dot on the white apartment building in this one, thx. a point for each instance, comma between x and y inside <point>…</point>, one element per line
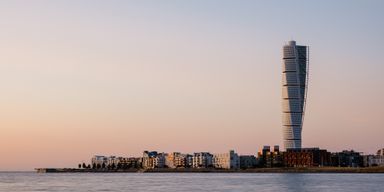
<point>202,160</point>
<point>228,160</point>
<point>375,160</point>
<point>99,160</point>
<point>176,159</point>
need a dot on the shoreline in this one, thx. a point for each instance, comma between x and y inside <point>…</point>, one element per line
<point>208,170</point>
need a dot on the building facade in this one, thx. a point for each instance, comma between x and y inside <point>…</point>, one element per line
<point>149,159</point>
<point>347,158</point>
<point>176,160</point>
<point>159,160</point>
<point>269,158</point>
<point>99,161</point>
<point>228,160</point>
<point>202,160</point>
<point>129,162</point>
<point>380,152</point>
<point>306,157</point>
<point>374,160</point>
<point>295,73</point>
<point>248,161</point>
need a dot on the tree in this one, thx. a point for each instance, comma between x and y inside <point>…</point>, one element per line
<point>79,165</point>
<point>84,166</point>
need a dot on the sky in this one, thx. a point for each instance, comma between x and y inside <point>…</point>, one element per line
<point>83,78</point>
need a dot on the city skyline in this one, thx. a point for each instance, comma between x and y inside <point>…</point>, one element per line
<point>90,77</point>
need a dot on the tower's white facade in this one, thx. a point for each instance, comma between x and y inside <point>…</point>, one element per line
<point>295,73</point>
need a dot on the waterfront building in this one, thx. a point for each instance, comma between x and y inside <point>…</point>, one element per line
<point>129,162</point>
<point>176,160</point>
<point>270,158</point>
<point>347,159</point>
<point>377,160</point>
<point>306,157</point>
<point>247,161</point>
<point>112,161</point>
<point>374,160</point>
<point>380,152</point>
<point>295,81</point>
<point>159,160</point>
<point>188,160</point>
<point>169,160</point>
<point>148,159</point>
<point>228,160</point>
<point>99,161</point>
<point>202,160</point>
<point>180,160</point>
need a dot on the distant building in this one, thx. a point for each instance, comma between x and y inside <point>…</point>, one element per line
<point>180,160</point>
<point>374,160</point>
<point>148,159</point>
<point>228,160</point>
<point>306,157</point>
<point>380,152</point>
<point>295,82</point>
<point>129,162</point>
<point>176,160</point>
<point>169,160</point>
<point>268,158</point>
<point>159,160</point>
<point>99,161</point>
<point>188,161</point>
<point>248,161</point>
<point>377,160</point>
<point>112,161</point>
<point>347,159</point>
<point>202,160</point>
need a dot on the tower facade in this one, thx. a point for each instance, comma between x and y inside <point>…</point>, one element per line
<point>295,80</point>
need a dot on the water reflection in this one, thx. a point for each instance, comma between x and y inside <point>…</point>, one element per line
<point>175,182</point>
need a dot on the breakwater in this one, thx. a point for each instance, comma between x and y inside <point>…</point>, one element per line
<point>208,170</point>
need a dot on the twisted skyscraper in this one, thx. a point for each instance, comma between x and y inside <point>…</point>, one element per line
<point>295,79</point>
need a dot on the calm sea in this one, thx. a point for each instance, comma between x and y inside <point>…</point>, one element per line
<point>79,182</point>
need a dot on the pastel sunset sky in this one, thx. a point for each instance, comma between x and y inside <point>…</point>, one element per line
<point>87,77</point>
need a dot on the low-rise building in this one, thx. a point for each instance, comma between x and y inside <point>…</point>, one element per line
<point>148,159</point>
<point>374,160</point>
<point>202,160</point>
<point>188,161</point>
<point>176,160</point>
<point>377,160</point>
<point>228,160</point>
<point>306,157</point>
<point>113,161</point>
<point>99,160</point>
<point>169,160</point>
<point>347,159</point>
<point>159,160</point>
<point>248,161</point>
<point>380,152</point>
<point>129,162</point>
<point>270,158</point>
